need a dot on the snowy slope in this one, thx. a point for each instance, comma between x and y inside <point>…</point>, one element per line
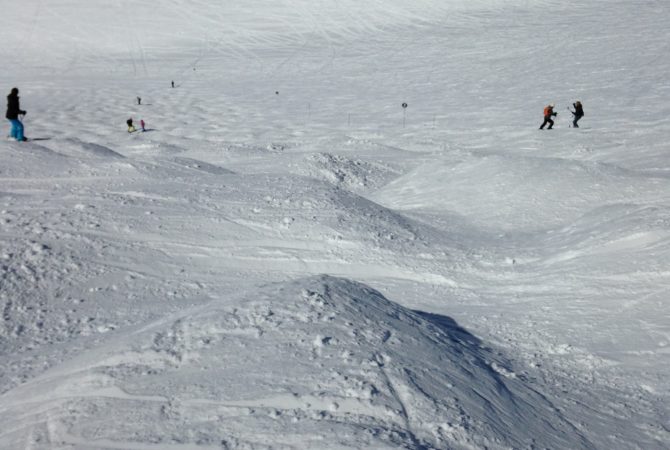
<point>486,284</point>
<point>318,362</point>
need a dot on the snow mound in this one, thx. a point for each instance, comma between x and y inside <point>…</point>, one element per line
<point>349,173</point>
<point>316,363</point>
<point>78,148</point>
<point>60,160</point>
<point>602,234</point>
<point>315,211</point>
<point>199,166</point>
<point>517,191</point>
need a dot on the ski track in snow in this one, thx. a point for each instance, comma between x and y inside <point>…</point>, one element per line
<point>168,284</point>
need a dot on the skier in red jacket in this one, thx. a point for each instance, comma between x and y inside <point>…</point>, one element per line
<point>548,114</point>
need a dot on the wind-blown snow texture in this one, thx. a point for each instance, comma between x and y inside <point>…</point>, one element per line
<point>279,263</point>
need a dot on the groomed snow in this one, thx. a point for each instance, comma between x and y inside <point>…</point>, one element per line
<point>288,259</point>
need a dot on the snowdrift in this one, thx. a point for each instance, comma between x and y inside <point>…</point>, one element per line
<point>320,362</point>
<point>517,192</point>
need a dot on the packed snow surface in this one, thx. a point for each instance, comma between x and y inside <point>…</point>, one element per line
<point>287,258</point>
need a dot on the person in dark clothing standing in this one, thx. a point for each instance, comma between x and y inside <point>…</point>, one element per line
<point>131,127</point>
<point>548,114</point>
<point>13,112</point>
<point>578,113</point>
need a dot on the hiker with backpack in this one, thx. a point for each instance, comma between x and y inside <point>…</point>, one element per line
<point>13,112</point>
<point>548,114</point>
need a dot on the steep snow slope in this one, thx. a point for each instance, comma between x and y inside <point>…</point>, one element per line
<point>321,362</point>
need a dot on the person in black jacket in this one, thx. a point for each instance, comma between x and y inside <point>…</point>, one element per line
<point>578,113</point>
<point>131,127</point>
<point>13,113</point>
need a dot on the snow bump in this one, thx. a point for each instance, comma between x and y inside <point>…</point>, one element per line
<point>287,359</point>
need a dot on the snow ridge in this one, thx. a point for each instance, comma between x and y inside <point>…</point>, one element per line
<point>292,357</point>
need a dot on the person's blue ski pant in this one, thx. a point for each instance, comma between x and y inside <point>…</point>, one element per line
<point>16,131</point>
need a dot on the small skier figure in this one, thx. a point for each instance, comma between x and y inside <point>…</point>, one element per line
<point>548,114</point>
<point>131,127</point>
<point>578,113</point>
<point>139,100</point>
<point>13,113</point>
<point>173,83</point>
<point>142,125</point>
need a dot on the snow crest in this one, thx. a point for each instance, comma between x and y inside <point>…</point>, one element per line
<point>275,365</point>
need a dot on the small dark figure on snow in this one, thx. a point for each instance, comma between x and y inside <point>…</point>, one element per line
<point>578,113</point>
<point>131,127</point>
<point>548,114</point>
<point>139,100</point>
<point>142,125</point>
<point>13,112</point>
<point>172,83</point>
